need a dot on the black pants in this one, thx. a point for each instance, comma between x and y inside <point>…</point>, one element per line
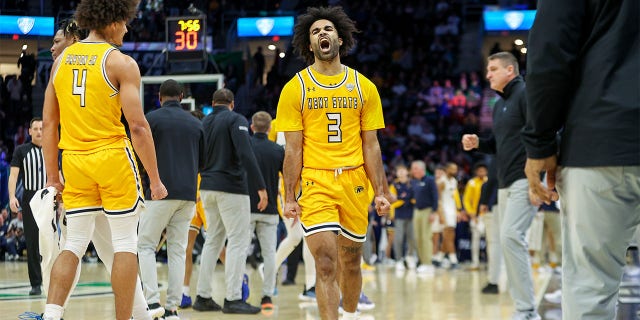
<point>293,261</point>
<point>32,238</point>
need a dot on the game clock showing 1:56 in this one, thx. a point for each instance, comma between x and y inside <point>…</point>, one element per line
<point>185,37</point>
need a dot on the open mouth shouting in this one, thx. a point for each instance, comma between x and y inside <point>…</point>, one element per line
<point>325,45</point>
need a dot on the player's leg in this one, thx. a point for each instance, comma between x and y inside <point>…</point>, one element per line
<point>64,269</point>
<point>120,188</point>
<point>321,223</point>
<point>104,247</point>
<point>353,213</point>
<point>349,255</point>
<point>82,200</point>
<point>188,266</point>
<point>294,236</point>
<point>309,269</point>
<point>324,248</point>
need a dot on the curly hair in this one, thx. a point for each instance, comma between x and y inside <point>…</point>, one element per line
<point>345,28</point>
<point>97,14</point>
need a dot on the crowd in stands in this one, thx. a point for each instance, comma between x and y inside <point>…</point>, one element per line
<point>428,105</point>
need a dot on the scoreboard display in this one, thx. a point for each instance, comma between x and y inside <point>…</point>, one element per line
<point>186,38</point>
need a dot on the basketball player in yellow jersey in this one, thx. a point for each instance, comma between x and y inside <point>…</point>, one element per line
<point>330,114</point>
<point>92,84</point>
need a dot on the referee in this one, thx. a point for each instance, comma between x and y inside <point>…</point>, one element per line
<point>27,165</point>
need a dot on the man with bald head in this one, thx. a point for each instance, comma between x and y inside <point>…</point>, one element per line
<point>224,190</point>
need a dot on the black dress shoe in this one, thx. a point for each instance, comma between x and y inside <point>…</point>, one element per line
<point>490,288</point>
<point>239,307</point>
<point>35,291</point>
<point>288,282</point>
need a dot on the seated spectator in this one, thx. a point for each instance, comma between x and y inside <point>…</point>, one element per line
<point>13,240</point>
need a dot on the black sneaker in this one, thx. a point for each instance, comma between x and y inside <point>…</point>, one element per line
<point>239,307</point>
<point>35,291</point>
<point>206,304</point>
<point>490,288</point>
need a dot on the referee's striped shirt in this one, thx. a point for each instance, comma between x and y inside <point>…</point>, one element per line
<point>28,157</point>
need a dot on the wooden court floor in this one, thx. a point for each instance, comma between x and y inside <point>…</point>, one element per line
<point>449,294</point>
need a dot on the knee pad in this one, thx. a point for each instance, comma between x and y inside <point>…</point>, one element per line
<point>79,231</point>
<point>124,233</point>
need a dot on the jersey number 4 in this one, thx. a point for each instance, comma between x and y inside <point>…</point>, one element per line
<point>335,133</point>
<point>80,84</point>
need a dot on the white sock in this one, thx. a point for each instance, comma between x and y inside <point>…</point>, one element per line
<point>349,315</point>
<point>186,290</point>
<point>53,312</point>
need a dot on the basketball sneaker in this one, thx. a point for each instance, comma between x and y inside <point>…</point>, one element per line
<point>155,310</point>
<point>186,301</point>
<point>245,287</point>
<point>308,295</point>
<point>364,303</point>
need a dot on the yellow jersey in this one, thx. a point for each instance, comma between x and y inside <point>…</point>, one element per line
<point>90,109</point>
<point>471,198</point>
<point>331,112</point>
<point>273,133</point>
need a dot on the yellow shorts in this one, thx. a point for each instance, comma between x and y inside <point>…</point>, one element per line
<point>107,179</point>
<point>199,220</point>
<point>335,202</point>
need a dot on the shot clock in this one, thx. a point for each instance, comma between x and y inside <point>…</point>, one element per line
<point>186,37</point>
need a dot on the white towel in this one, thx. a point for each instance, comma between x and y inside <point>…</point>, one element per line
<point>52,231</point>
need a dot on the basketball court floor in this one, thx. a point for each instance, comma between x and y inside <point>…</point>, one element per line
<point>449,294</point>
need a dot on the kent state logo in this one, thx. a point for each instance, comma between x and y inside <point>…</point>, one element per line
<point>358,189</point>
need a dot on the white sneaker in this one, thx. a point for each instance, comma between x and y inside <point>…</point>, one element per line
<point>529,315</point>
<point>400,266</point>
<point>426,269</point>
<point>411,262</point>
<point>373,259</point>
<point>156,311</point>
<point>364,303</point>
<point>554,297</point>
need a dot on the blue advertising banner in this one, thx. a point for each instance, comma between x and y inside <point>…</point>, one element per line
<point>265,26</point>
<point>27,26</point>
<point>508,20</point>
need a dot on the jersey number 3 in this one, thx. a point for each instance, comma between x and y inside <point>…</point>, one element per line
<point>80,85</point>
<point>335,133</point>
